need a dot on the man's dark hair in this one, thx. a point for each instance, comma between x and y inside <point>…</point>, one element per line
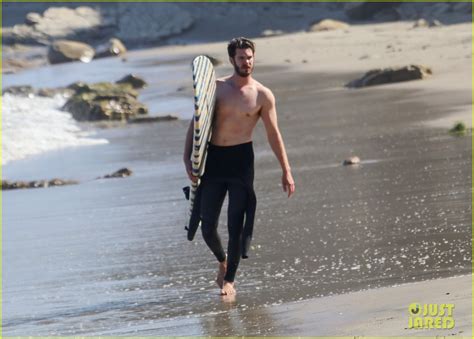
<point>241,43</point>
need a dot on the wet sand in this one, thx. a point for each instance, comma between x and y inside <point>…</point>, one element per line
<point>110,257</point>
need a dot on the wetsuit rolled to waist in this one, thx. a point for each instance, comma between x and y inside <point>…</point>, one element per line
<point>234,163</point>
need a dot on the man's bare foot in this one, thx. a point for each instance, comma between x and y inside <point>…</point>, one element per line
<point>228,288</point>
<point>221,274</point>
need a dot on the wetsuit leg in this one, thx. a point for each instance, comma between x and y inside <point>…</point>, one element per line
<point>212,197</point>
<point>238,196</point>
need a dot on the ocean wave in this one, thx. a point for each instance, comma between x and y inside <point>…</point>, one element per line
<point>34,125</point>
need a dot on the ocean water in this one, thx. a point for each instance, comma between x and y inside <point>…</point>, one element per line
<point>34,125</point>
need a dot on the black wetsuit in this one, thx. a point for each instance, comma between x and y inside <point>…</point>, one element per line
<point>228,169</point>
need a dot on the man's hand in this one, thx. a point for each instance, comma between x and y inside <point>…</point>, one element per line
<point>189,170</point>
<point>288,183</point>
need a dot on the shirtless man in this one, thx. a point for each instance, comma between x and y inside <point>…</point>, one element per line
<point>241,101</point>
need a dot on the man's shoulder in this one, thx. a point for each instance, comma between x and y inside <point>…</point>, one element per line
<point>263,91</point>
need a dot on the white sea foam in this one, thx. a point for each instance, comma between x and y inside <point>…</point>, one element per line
<point>33,125</point>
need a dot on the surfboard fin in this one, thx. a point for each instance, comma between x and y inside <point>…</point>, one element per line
<point>186,191</point>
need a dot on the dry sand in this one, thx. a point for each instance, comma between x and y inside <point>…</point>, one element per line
<point>447,50</point>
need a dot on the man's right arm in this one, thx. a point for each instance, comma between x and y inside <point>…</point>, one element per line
<point>188,146</point>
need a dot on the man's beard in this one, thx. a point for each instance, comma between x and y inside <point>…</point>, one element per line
<point>243,74</point>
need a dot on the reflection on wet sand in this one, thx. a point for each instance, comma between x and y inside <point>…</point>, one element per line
<point>237,319</point>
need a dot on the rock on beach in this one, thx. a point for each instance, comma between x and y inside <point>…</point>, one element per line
<point>391,75</point>
<point>328,25</point>
<point>65,51</point>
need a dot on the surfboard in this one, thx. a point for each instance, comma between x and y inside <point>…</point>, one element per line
<point>204,84</point>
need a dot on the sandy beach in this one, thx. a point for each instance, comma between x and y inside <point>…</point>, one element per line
<point>346,256</point>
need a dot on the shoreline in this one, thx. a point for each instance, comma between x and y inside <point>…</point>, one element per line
<point>370,313</point>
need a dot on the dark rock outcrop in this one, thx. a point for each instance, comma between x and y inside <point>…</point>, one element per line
<point>11,185</point>
<point>459,129</point>
<point>133,80</point>
<point>104,101</point>
<point>391,75</point>
<point>99,101</point>
<point>121,173</point>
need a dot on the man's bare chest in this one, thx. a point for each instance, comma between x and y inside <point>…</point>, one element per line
<point>237,103</point>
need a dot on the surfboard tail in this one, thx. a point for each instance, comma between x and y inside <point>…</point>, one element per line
<point>195,218</point>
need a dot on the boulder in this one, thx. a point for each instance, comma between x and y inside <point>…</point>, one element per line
<point>66,50</point>
<point>58,23</point>
<point>327,25</point>
<point>133,80</point>
<point>121,173</point>
<point>435,23</point>
<point>32,18</point>
<point>421,23</point>
<point>104,101</point>
<point>63,22</point>
<point>425,23</point>
<point>391,75</point>
<point>113,47</point>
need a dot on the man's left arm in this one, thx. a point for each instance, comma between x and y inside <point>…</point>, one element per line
<point>269,117</point>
